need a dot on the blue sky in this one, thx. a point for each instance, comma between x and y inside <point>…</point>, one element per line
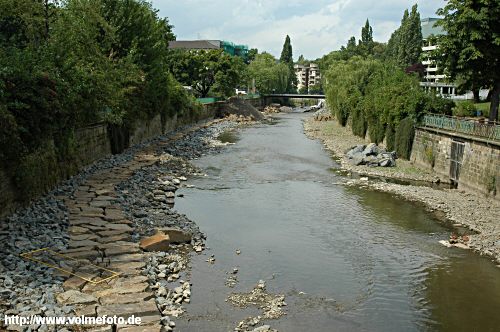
<point>316,27</point>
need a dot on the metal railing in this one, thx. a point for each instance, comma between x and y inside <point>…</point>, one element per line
<point>469,127</point>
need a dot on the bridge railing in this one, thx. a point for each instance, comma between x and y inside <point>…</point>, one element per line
<point>464,126</point>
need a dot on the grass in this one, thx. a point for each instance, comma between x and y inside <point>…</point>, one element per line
<point>483,107</point>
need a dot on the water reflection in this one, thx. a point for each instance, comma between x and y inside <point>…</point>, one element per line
<point>348,259</point>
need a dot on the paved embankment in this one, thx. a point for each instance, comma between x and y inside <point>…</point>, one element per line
<point>98,217</point>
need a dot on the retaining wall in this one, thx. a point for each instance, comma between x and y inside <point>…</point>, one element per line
<point>480,169</point>
<point>93,143</point>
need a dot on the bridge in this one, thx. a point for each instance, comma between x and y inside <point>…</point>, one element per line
<point>283,96</point>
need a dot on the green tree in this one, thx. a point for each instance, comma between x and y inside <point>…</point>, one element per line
<point>208,72</point>
<point>405,44</point>
<point>366,43</point>
<point>471,48</point>
<point>287,58</point>
<point>252,53</point>
<point>270,76</point>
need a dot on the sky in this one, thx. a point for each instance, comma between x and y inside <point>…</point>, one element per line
<point>316,27</point>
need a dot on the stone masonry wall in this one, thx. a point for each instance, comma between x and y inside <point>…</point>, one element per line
<point>480,170</point>
<point>92,144</point>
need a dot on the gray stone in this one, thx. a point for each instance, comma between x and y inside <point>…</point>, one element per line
<point>72,297</point>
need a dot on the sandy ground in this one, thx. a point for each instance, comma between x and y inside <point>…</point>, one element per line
<point>479,213</point>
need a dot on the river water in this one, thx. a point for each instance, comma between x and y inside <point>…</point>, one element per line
<point>347,259</point>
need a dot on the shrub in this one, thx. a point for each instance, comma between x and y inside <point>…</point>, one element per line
<point>405,133</point>
<point>390,138</point>
<point>359,124</point>
<point>466,108</point>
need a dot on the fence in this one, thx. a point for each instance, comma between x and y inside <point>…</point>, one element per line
<point>468,127</point>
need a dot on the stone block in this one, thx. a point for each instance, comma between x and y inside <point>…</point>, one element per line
<point>141,309</point>
<point>72,297</point>
<point>157,242</point>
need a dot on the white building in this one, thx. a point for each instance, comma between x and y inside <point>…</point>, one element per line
<point>307,75</point>
<point>434,78</point>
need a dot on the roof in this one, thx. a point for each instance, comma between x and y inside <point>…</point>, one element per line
<point>429,27</point>
<point>195,44</point>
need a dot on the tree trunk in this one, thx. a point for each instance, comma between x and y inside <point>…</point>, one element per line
<point>475,93</point>
<point>488,97</point>
<point>495,97</point>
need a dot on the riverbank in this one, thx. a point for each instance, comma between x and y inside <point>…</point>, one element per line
<point>97,217</point>
<point>470,210</point>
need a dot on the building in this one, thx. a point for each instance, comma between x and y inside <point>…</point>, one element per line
<point>434,78</point>
<point>228,47</point>
<point>307,75</point>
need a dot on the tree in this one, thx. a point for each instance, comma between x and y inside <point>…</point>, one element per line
<point>366,42</point>
<point>287,58</point>
<point>405,44</point>
<point>208,72</point>
<point>471,48</point>
<point>252,53</point>
<point>270,76</point>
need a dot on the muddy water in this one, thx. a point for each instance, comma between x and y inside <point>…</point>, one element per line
<point>347,259</point>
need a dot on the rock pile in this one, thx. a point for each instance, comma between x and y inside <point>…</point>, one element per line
<point>371,155</point>
<point>163,270</point>
<point>239,107</point>
<point>323,114</point>
<point>271,306</point>
<point>272,109</point>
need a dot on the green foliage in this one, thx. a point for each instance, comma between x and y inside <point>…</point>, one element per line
<point>405,133</point>
<point>430,156</point>
<point>270,76</point>
<point>209,73</point>
<point>491,185</point>
<point>37,171</point>
<point>405,45</point>
<point>466,108</point>
<point>359,124</point>
<point>375,97</point>
<point>471,48</point>
<point>74,64</point>
<point>287,59</point>
<point>390,137</point>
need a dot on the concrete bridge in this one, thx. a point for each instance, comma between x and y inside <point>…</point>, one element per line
<point>285,96</point>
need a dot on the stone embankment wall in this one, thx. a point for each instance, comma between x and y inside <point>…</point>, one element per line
<point>94,143</point>
<point>480,165</point>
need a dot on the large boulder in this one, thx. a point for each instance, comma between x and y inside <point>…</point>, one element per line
<point>176,235</point>
<point>355,151</point>
<point>370,155</point>
<point>371,150</point>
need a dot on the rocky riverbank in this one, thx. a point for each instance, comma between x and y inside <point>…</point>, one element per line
<point>470,210</point>
<point>99,215</point>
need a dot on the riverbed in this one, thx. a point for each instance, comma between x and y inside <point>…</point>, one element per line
<point>346,258</point>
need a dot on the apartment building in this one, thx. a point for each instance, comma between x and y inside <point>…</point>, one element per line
<point>307,75</point>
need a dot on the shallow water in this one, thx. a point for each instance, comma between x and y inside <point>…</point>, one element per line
<point>347,259</point>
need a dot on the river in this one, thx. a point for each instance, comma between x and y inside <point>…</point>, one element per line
<point>347,259</point>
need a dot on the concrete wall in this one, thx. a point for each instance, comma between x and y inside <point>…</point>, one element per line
<point>480,170</point>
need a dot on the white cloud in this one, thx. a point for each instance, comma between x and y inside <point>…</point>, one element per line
<point>315,27</point>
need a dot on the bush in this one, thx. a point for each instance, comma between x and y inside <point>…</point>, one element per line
<point>390,138</point>
<point>359,124</point>
<point>405,133</point>
<point>466,108</point>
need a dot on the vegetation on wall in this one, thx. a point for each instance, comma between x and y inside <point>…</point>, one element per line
<point>67,64</point>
